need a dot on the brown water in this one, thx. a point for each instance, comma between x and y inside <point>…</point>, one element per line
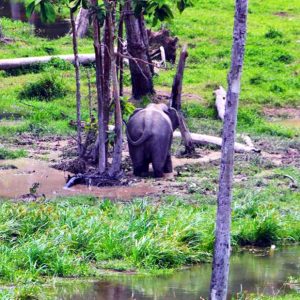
<point>15,10</point>
<point>255,274</point>
<point>14,183</point>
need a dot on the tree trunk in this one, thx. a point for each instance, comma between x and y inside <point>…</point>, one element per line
<point>82,22</point>
<point>120,62</point>
<point>220,268</point>
<point>141,75</point>
<point>107,64</point>
<point>115,168</point>
<point>176,102</point>
<point>77,75</point>
<point>1,33</point>
<point>101,128</point>
<point>11,63</point>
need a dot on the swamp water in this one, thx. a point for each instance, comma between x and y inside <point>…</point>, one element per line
<point>253,273</point>
<point>15,10</point>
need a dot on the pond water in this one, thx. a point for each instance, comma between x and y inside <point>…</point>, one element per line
<point>16,11</point>
<point>260,274</point>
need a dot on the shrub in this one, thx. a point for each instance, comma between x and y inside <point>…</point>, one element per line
<point>196,110</point>
<point>10,154</point>
<point>47,88</point>
<point>273,34</point>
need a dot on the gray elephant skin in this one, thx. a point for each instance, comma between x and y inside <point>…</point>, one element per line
<point>149,134</point>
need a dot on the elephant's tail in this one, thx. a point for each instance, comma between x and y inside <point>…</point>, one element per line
<point>145,135</point>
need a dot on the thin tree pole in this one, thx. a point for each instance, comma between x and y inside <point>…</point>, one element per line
<point>220,268</point>
<point>120,61</point>
<point>115,168</point>
<point>101,127</point>
<point>77,75</point>
<point>176,102</point>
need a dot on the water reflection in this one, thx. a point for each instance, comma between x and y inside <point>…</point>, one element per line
<point>257,274</point>
<point>15,10</point>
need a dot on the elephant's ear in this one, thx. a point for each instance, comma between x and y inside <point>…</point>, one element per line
<point>135,111</point>
<point>172,112</point>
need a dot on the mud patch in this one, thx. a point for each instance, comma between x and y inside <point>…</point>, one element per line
<point>284,112</point>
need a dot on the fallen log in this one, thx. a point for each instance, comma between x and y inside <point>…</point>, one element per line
<point>203,139</point>
<point>11,63</point>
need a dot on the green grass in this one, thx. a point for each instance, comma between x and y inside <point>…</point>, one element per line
<point>11,154</point>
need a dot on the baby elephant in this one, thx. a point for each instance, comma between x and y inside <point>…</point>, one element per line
<point>149,134</point>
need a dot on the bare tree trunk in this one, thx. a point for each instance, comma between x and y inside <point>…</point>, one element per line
<point>1,33</point>
<point>176,102</point>
<point>82,22</point>
<point>141,75</point>
<point>120,62</point>
<point>77,75</point>
<point>101,128</point>
<point>220,268</point>
<point>107,64</point>
<point>145,38</point>
<point>115,168</point>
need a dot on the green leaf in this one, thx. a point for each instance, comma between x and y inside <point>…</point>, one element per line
<point>47,12</point>
<point>29,9</point>
<point>73,5</point>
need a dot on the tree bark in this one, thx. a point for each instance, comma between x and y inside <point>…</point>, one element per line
<point>141,75</point>
<point>77,75</point>
<point>1,33</point>
<point>82,22</point>
<point>115,168</point>
<point>220,268</point>
<point>120,62</point>
<point>176,102</point>
<point>101,128</point>
<point>107,65</point>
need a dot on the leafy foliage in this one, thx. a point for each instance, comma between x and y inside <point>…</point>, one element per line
<point>46,9</point>
<point>159,10</point>
<point>48,87</point>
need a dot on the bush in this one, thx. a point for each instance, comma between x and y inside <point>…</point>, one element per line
<point>273,34</point>
<point>47,88</point>
<point>10,154</point>
<point>196,110</point>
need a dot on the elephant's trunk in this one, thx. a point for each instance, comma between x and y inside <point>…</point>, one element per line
<point>145,135</point>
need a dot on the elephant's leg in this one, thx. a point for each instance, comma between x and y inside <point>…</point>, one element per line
<point>158,167</point>
<point>141,170</point>
<point>139,161</point>
<point>168,168</point>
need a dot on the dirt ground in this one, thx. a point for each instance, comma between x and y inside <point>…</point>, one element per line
<point>33,177</point>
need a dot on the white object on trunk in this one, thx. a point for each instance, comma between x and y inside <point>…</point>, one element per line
<point>220,94</point>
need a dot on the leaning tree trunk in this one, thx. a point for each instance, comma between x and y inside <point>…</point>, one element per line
<point>77,75</point>
<point>82,23</point>
<point>176,102</point>
<point>101,128</point>
<point>220,268</point>
<point>141,75</point>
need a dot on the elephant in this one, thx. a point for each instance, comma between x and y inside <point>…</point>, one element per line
<point>149,133</point>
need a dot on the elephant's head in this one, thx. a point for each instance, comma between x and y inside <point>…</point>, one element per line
<point>171,112</point>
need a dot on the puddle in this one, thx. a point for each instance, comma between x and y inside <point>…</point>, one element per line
<point>248,272</point>
<point>17,182</point>
<point>16,11</point>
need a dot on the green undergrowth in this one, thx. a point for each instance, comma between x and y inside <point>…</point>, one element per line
<point>203,118</point>
<point>11,154</point>
<point>80,236</point>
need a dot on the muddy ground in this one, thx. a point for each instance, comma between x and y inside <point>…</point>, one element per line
<point>44,172</point>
